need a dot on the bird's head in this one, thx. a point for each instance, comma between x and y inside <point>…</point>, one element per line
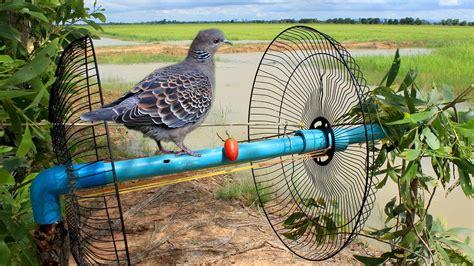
<point>208,41</point>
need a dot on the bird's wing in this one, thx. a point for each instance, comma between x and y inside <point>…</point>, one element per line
<point>172,100</point>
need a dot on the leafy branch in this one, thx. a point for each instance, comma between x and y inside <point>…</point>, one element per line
<point>422,127</point>
<point>32,35</point>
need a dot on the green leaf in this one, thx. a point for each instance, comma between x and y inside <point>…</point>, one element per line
<point>371,260</point>
<point>465,249</point>
<point>465,165</point>
<point>410,172</point>
<point>37,15</point>
<point>380,158</point>
<point>5,257</point>
<point>399,209</point>
<point>5,149</point>
<point>460,231</point>
<point>392,73</point>
<point>93,24</point>
<point>41,90</point>
<point>412,118</point>
<point>443,253</point>
<point>410,154</point>
<point>429,221</point>
<point>409,101</point>
<point>18,5</point>
<point>10,94</point>
<point>406,119</point>
<point>421,116</point>
<point>389,207</point>
<point>409,238</point>
<point>9,32</point>
<point>99,16</point>
<point>382,182</point>
<point>11,163</point>
<point>51,3</point>
<point>6,178</point>
<point>466,129</point>
<point>466,184</point>
<point>431,138</point>
<point>408,81</point>
<point>26,143</point>
<point>37,66</point>
<point>13,115</point>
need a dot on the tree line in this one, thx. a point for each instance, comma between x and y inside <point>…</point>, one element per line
<point>401,21</point>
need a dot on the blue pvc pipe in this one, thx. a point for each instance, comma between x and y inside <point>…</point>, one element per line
<point>53,182</point>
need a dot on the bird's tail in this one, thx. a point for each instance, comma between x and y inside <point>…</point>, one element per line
<point>102,114</point>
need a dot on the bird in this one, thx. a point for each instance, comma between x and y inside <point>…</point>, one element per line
<point>171,101</point>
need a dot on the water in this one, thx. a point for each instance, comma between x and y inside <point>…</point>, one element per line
<point>114,42</point>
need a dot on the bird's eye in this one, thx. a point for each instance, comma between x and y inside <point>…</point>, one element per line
<point>216,41</point>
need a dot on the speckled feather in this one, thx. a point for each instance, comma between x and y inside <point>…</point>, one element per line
<point>171,97</point>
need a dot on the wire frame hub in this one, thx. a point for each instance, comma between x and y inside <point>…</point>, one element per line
<point>316,206</point>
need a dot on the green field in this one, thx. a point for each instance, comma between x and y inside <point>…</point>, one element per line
<point>451,62</point>
<point>451,66</point>
<point>426,35</point>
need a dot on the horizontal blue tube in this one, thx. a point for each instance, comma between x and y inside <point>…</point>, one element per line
<point>53,182</point>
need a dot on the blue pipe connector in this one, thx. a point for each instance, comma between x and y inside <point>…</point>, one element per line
<point>53,182</point>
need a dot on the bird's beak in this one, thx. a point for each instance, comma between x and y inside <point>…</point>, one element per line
<point>227,42</point>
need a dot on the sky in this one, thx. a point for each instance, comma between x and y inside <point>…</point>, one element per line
<point>206,10</point>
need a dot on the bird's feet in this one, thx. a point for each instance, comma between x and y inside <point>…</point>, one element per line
<point>162,150</point>
<point>188,152</point>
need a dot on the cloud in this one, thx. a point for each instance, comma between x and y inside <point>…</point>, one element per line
<point>449,2</point>
<point>205,10</point>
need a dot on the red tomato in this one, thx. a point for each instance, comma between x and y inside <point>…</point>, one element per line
<point>231,149</point>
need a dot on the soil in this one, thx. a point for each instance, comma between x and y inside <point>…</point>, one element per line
<point>186,223</point>
<point>181,49</point>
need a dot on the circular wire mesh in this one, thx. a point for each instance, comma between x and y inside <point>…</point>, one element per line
<point>316,210</point>
<point>95,223</point>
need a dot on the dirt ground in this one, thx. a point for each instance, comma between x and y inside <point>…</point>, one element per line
<point>179,49</point>
<point>186,224</point>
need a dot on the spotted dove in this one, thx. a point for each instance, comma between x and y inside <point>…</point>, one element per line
<point>172,101</point>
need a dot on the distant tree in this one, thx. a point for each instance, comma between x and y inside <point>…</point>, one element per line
<point>349,21</point>
<point>308,20</point>
<point>407,21</point>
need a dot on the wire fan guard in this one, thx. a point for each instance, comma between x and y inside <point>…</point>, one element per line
<point>316,209</point>
<point>95,223</point>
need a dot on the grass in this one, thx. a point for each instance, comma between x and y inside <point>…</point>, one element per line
<point>426,35</point>
<point>447,66</point>
<point>243,190</point>
<point>115,89</point>
<point>136,58</point>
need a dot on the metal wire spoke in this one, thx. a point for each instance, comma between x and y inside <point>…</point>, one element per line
<point>315,209</point>
<point>96,227</point>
